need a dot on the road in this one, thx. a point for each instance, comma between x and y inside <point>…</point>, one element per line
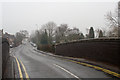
<point>32,64</point>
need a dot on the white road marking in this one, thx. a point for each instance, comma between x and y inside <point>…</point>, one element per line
<point>66,71</point>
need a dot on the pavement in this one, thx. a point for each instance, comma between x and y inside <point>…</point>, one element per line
<point>32,64</point>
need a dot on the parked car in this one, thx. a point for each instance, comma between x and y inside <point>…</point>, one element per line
<point>33,44</point>
<point>11,46</point>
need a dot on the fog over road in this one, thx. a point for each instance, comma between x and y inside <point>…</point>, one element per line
<point>39,65</point>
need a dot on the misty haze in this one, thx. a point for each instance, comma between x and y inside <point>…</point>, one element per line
<point>59,40</point>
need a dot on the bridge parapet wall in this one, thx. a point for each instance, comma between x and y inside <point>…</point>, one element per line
<point>104,49</point>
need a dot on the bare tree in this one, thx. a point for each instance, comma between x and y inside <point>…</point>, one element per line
<point>50,27</point>
<point>119,19</point>
<point>73,34</point>
<point>24,32</point>
<point>112,19</point>
<point>113,23</point>
<point>19,36</point>
<point>60,32</point>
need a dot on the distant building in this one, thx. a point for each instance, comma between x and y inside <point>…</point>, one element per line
<point>72,31</point>
<point>10,38</point>
<point>1,33</point>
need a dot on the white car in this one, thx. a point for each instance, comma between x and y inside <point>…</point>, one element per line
<point>11,46</point>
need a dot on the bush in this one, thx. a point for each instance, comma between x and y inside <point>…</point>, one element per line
<point>46,48</point>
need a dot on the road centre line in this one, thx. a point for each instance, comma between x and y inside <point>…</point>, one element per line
<point>95,67</point>
<point>98,68</point>
<point>19,69</point>
<point>67,71</point>
<point>115,74</point>
<point>26,74</point>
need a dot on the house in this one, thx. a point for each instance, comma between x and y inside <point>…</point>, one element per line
<point>10,38</point>
<point>1,33</point>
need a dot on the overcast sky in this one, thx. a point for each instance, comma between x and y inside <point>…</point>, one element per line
<point>25,15</point>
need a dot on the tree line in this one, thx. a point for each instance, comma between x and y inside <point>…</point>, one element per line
<point>50,33</point>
